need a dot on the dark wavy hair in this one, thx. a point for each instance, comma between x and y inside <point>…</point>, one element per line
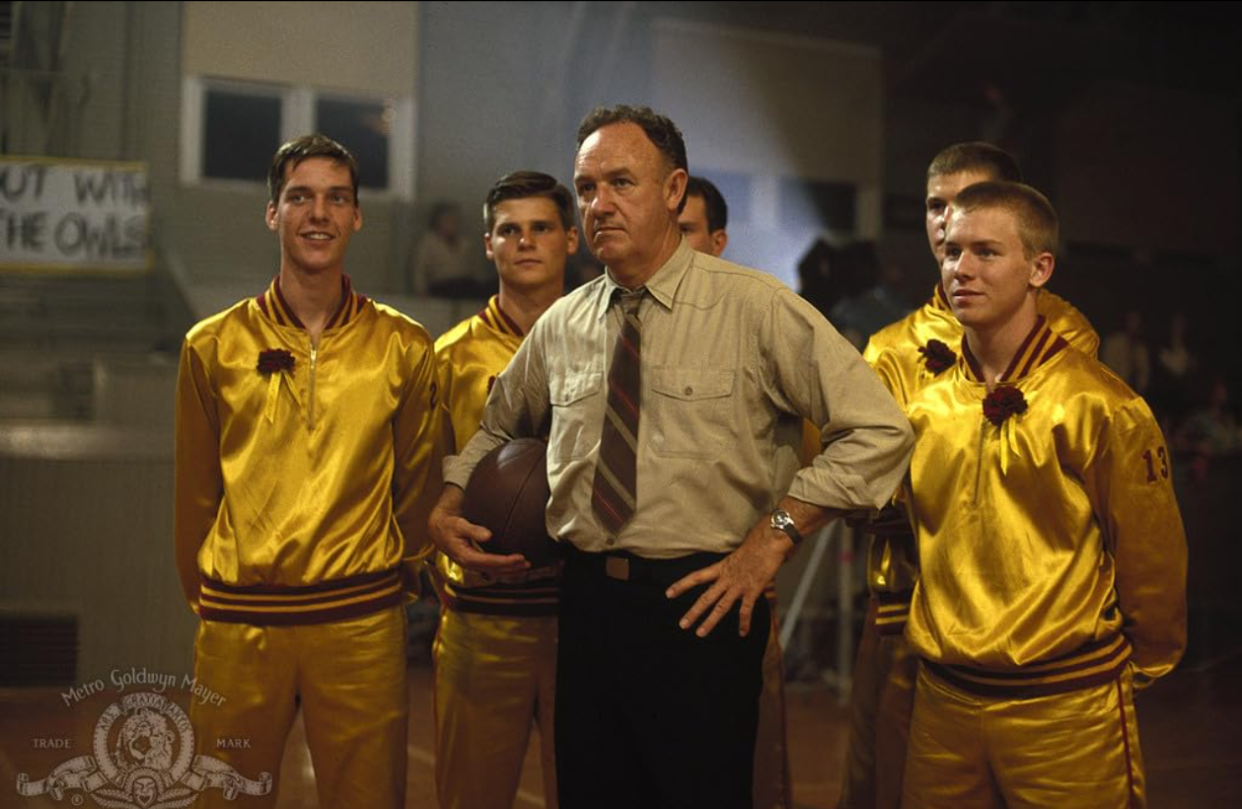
<point>713,201</point>
<point>307,146</point>
<point>526,184</point>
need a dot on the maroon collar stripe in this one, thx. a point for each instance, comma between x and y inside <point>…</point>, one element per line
<point>273,304</point>
<point>1020,365</point>
<point>1037,348</point>
<point>970,366</point>
<point>509,324</point>
<point>279,302</point>
<point>1029,344</point>
<point>346,310</point>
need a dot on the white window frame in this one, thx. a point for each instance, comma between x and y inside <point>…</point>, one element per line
<point>297,116</point>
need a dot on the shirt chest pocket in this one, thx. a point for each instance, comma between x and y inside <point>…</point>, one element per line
<point>577,413</point>
<point>691,413</point>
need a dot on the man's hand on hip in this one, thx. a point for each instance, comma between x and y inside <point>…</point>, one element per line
<point>741,576</point>
<point>744,574</point>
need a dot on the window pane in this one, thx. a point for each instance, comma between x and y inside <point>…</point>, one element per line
<point>363,127</point>
<point>241,134</point>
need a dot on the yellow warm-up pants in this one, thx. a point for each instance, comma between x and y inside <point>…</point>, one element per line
<point>350,679</point>
<point>881,701</point>
<point>494,676</point>
<point>1077,750</point>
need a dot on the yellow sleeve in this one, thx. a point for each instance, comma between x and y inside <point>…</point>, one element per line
<point>1131,486</point>
<point>198,481</point>
<point>1064,319</point>
<point>811,443</point>
<point>518,406</point>
<point>887,366</point>
<point>418,450</point>
<point>444,394</point>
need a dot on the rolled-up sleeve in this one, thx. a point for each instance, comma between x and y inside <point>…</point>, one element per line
<point>811,370</point>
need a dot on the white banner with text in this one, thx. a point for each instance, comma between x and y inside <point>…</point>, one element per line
<point>73,215</point>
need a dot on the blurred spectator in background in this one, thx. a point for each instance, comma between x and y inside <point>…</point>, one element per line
<point>1126,353</point>
<point>1171,374</point>
<point>1211,431</point>
<point>816,280</point>
<point>443,265</point>
<point>870,302</point>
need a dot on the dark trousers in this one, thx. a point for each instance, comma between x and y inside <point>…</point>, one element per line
<point>649,715</point>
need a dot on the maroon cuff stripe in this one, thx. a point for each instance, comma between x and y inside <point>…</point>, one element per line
<point>892,611</point>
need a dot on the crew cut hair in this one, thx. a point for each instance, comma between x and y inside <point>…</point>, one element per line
<point>1034,214</point>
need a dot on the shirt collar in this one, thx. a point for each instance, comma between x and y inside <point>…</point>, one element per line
<point>498,319</point>
<point>662,286</point>
<point>1040,346</point>
<point>274,306</point>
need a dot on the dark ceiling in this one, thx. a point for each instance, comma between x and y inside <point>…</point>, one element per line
<point>1033,51</point>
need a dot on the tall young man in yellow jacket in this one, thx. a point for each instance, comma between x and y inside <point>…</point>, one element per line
<point>306,442</point>
<point>1051,551</point>
<point>907,355</point>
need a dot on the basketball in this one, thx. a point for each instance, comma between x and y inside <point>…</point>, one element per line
<point>508,494</point>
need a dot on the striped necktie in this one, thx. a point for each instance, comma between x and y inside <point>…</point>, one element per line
<point>615,491</point>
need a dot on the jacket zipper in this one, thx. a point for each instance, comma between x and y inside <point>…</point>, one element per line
<point>983,429</point>
<point>314,353</point>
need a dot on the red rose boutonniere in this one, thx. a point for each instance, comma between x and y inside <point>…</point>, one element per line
<point>275,364</point>
<point>1002,403</point>
<point>937,356</point>
<point>273,360</point>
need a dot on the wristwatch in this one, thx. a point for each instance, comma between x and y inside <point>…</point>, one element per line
<point>781,521</point>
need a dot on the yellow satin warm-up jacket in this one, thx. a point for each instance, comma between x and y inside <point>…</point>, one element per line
<point>303,488</point>
<point>894,352</point>
<point>1051,547</point>
<point>469,357</point>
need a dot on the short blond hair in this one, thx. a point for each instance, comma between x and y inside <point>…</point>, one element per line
<point>1036,218</point>
<point>976,156</point>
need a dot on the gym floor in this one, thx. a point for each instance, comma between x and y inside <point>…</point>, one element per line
<point>1191,727</point>
<point>1191,730</point>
